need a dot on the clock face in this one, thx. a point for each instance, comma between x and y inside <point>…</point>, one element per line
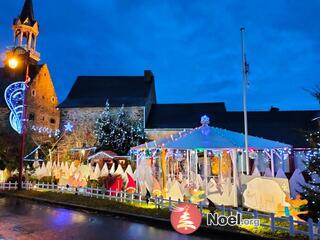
<point>20,50</point>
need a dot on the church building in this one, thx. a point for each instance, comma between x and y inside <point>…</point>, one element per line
<point>43,117</point>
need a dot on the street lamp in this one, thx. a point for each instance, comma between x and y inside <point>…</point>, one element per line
<point>13,63</point>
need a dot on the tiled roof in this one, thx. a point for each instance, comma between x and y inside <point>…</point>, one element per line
<point>283,126</point>
<point>94,91</point>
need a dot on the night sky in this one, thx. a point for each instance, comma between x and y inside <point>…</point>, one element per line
<point>193,47</point>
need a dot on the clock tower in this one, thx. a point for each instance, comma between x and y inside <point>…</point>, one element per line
<point>25,32</point>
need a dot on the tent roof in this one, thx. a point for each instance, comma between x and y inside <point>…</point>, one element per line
<point>103,154</point>
<point>206,137</point>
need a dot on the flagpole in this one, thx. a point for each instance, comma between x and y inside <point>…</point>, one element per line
<point>245,85</point>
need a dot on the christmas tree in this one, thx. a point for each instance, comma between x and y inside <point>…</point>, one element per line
<point>311,191</point>
<point>118,131</point>
<point>104,128</point>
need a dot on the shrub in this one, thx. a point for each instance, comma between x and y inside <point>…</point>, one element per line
<point>15,178</point>
<point>49,180</point>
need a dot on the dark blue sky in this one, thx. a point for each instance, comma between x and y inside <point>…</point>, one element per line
<point>193,47</point>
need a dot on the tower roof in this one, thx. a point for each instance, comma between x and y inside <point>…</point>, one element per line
<point>27,13</point>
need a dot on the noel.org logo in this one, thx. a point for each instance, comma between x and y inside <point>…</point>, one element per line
<point>185,218</point>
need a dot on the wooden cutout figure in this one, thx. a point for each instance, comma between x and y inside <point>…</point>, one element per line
<point>293,209</point>
<point>175,192</point>
<point>156,188</point>
<point>131,186</point>
<point>197,196</point>
<point>225,164</point>
<point>114,183</point>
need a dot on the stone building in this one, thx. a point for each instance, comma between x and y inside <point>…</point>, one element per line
<point>42,113</point>
<point>87,99</point>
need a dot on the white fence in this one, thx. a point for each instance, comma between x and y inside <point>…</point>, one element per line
<point>288,224</point>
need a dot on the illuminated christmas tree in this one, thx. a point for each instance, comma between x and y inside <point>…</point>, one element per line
<point>118,131</point>
<point>311,191</point>
<point>104,128</point>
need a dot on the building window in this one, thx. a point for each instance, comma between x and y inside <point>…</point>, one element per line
<point>43,97</point>
<point>31,116</point>
<point>52,121</point>
<point>42,118</point>
<point>33,92</point>
<point>53,99</point>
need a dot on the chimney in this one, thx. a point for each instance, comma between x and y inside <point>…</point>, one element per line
<point>274,109</point>
<point>148,75</point>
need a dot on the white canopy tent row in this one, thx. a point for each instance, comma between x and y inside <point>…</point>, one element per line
<point>207,159</point>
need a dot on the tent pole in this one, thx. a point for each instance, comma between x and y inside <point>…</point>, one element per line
<point>247,163</point>
<point>196,162</point>
<point>205,154</point>
<point>220,166</point>
<point>242,161</point>
<point>164,171</point>
<point>188,167</point>
<point>272,163</point>
<point>235,177</point>
<point>137,166</point>
<point>282,160</point>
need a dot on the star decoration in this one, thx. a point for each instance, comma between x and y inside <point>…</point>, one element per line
<point>205,120</point>
<point>68,127</point>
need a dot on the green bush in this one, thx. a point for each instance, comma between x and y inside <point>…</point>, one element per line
<point>15,178</point>
<point>32,179</point>
<point>93,183</point>
<point>48,180</point>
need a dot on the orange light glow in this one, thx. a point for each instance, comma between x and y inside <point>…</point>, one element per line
<point>13,63</point>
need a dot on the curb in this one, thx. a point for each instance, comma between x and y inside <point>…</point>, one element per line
<point>204,231</point>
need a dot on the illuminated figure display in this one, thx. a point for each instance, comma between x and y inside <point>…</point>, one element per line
<point>14,96</point>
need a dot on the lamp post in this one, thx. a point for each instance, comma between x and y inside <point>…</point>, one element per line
<point>13,63</point>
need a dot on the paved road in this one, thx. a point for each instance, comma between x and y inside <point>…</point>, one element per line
<point>22,219</point>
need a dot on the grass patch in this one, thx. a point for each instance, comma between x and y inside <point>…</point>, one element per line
<point>150,210</point>
<point>103,204</point>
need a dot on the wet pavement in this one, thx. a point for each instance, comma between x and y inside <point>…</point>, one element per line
<point>23,219</point>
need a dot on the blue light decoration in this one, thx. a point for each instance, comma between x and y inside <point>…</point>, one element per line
<point>205,120</point>
<point>14,96</point>
<point>68,127</point>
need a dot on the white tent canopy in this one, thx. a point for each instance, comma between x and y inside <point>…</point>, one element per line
<point>206,137</point>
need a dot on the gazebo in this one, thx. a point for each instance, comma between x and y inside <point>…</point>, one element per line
<point>206,158</point>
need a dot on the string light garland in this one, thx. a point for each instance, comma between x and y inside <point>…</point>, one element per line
<point>45,130</point>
